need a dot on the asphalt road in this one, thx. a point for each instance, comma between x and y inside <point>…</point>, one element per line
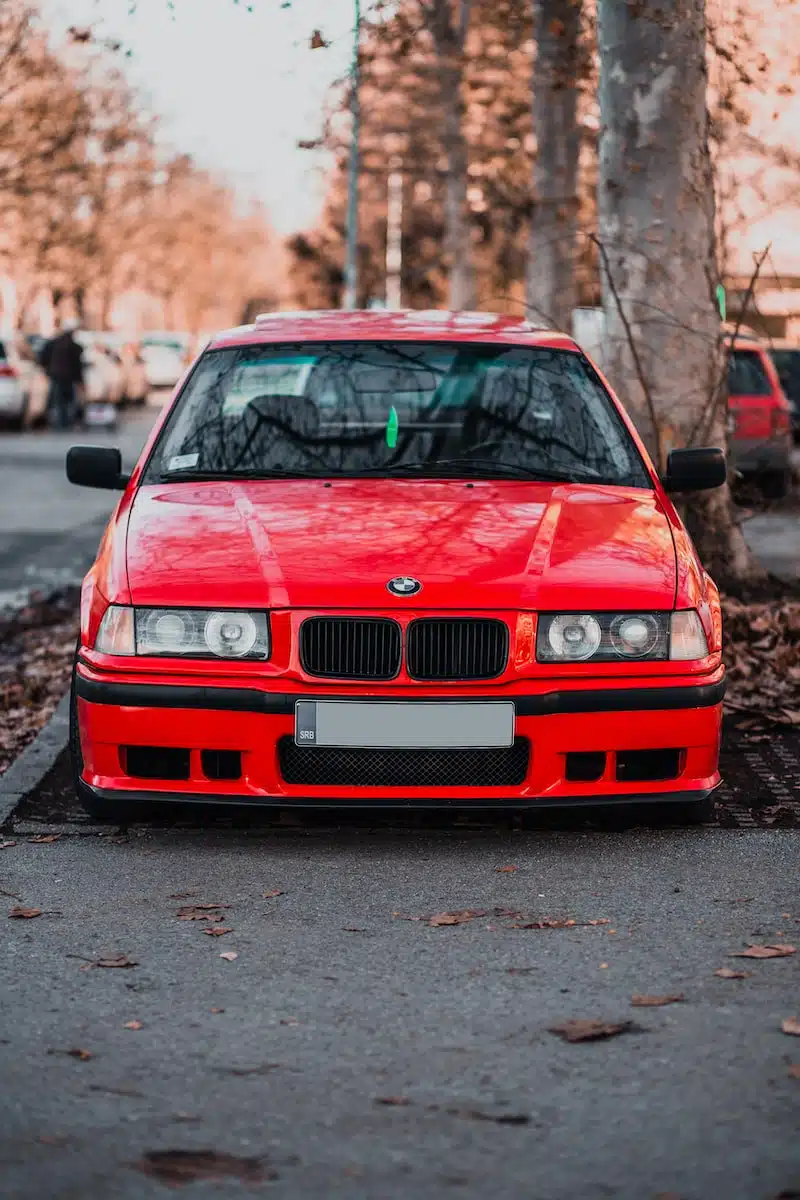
<point>49,529</point>
<point>335,1003</point>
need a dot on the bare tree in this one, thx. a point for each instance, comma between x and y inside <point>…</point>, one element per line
<point>656,214</point>
<point>552,290</point>
<point>448,22</point>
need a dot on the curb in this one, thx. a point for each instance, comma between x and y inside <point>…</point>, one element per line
<point>27,772</point>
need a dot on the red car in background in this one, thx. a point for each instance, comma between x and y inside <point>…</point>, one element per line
<point>396,559</point>
<point>760,418</point>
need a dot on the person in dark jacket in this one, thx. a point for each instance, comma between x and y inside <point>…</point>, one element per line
<point>62,360</point>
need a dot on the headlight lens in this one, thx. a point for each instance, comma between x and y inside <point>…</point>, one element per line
<point>573,638</point>
<point>602,637</point>
<point>184,633</point>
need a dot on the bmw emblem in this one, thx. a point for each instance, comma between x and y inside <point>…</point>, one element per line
<point>404,585</point>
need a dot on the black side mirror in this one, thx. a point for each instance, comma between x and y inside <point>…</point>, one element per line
<point>695,470</point>
<point>96,466</point>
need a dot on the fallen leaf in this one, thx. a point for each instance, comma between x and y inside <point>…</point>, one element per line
<point>456,918</point>
<point>201,912</point>
<point>317,41</point>
<point>83,1055</point>
<point>519,970</point>
<point>289,1021</point>
<point>217,930</point>
<point>18,913</point>
<point>396,1101</point>
<point>475,1114</point>
<point>41,838</point>
<point>729,973</point>
<point>274,892</point>
<point>656,1001</point>
<point>229,955</point>
<point>352,929</point>
<point>776,951</point>
<point>505,870</point>
<point>117,960</point>
<point>794,1071</point>
<point>590,1031</point>
<point>264,1069</point>
<point>7,845</point>
<point>132,1025</point>
<point>217,1010</point>
<point>792,1026</point>
<point>177,1167</point>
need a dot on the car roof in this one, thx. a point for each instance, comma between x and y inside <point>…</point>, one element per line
<point>381,325</point>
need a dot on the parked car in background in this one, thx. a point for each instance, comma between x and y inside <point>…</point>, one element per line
<point>163,355</point>
<point>13,396</point>
<point>786,356</point>
<point>103,375</point>
<point>759,428</point>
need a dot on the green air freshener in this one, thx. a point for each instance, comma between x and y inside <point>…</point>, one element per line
<point>392,426</point>
<point>721,300</point>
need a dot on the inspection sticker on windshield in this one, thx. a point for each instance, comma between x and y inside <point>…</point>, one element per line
<point>182,462</point>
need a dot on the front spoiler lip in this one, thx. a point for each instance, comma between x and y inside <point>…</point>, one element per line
<point>379,804</point>
<point>232,699</point>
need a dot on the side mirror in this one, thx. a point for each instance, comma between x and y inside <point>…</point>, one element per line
<point>695,470</point>
<point>96,467</point>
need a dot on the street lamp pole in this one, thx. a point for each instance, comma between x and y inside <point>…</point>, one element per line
<point>351,260</point>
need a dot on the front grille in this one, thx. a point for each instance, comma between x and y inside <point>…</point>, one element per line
<point>350,647</point>
<point>318,766</point>
<point>456,648</point>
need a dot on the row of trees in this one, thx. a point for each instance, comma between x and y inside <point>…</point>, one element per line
<point>557,153</point>
<point>91,208</point>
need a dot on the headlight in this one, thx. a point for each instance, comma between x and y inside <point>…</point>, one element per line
<point>615,637</point>
<point>184,633</point>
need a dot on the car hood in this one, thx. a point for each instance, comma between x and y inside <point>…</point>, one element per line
<point>488,545</point>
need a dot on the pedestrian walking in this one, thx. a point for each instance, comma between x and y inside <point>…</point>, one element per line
<point>62,360</point>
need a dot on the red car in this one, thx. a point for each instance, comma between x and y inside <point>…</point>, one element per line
<point>396,559</point>
<point>760,418</point>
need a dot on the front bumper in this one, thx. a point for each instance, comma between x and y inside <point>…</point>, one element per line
<point>251,721</point>
<point>752,456</point>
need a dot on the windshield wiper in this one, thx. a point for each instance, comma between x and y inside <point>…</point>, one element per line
<point>193,475</point>
<point>482,468</point>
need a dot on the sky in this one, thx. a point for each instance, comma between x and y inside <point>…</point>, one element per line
<point>236,89</point>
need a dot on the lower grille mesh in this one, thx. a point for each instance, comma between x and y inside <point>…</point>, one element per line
<point>318,766</point>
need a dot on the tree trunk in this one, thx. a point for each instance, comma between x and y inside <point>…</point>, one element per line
<point>656,214</point>
<point>551,276</point>
<point>449,37</point>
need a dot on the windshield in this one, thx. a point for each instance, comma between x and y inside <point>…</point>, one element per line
<point>747,375</point>
<point>787,363</point>
<point>381,408</point>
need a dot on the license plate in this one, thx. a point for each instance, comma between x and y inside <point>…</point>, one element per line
<point>100,414</point>
<point>403,725</point>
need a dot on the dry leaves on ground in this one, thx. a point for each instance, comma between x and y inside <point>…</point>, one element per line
<point>729,973</point>
<point>794,1071</point>
<point>7,845</point>
<point>762,655</point>
<point>121,961</point>
<point>82,1055</point>
<point>395,1101</point>
<point>18,913</point>
<point>791,1026</point>
<point>591,1031</point>
<point>776,950</point>
<point>656,1001</point>
<point>201,912</point>
<point>217,930</point>
<point>505,870</point>
<point>178,1167</point>
<point>44,838</point>
<point>272,894</point>
<point>133,1025</point>
<point>229,955</point>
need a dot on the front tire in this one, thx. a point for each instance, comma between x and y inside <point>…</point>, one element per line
<point>775,484</point>
<point>691,812</point>
<point>104,812</point>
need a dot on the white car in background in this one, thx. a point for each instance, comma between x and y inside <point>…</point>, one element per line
<point>103,375</point>
<point>23,384</point>
<point>164,357</point>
